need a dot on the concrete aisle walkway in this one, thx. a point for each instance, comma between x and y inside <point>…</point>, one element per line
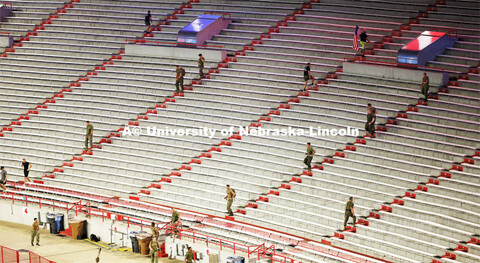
<point>63,249</point>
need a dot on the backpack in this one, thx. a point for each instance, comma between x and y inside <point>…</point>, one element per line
<point>94,238</point>
<point>233,190</point>
<point>183,72</point>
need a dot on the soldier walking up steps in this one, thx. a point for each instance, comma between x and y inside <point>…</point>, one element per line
<point>175,216</point>
<point>180,73</point>
<point>309,156</point>
<point>349,213</point>
<point>371,118</point>
<point>307,76</point>
<point>35,232</point>
<point>175,220</point>
<point>89,136</point>
<point>230,196</point>
<point>425,85</point>
<point>201,62</point>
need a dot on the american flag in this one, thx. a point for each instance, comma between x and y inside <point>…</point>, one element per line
<point>356,47</point>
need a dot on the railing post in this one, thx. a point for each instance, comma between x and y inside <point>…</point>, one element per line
<point>193,237</point>
<point>53,204</point>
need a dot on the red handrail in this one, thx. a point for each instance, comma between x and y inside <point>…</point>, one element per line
<point>75,205</point>
<point>391,64</point>
<point>34,258</point>
<point>4,33</point>
<point>179,231</point>
<point>4,257</point>
<point>165,226</point>
<point>136,41</point>
<point>272,254</point>
<point>102,213</point>
<point>256,249</point>
<point>219,13</point>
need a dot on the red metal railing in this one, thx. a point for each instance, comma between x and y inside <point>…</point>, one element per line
<point>257,249</point>
<point>9,255</point>
<point>389,64</point>
<point>86,209</point>
<point>4,33</point>
<point>141,41</point>
<point>275,257</point>
<point>74,206</point>
<point>271,254</point>
<point>261,250</point>
<point>221,243</point>
<point>219,13</point>
<point>35,258</point>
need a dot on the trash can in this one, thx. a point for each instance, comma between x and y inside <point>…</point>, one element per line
<point>51,222</point>
<point>144,242</point>
<point>133,237</point>
<point>59,222</point>
<point>78,228</point>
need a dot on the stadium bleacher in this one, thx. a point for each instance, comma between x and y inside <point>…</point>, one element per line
<point>415,185</point>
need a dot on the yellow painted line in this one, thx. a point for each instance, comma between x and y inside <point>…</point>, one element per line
<point>106,246</point>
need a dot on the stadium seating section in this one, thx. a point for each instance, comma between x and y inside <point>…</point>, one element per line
<point>416,186</point>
